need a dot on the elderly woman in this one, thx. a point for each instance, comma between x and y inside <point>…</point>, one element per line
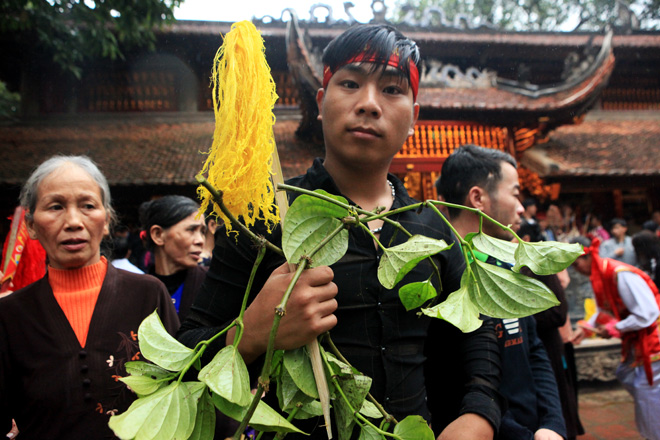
<point>64,340</point>
<point>175,236</point>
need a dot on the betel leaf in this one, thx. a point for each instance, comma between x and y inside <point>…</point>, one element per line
<point>142,385</point>
<point>167,413</point>
<point>288,393</point>
<point>413,428</point>
<point>370,410</point>
<point>205,418</point>
<point>414,295</point>
<point>398,260</point>
<point>340,368</point>
<point>501,293</point>
<point>291,398</point>
<point>299,366</point>
<point>160,347</point>
<point>501,249</point>
<point>355,389</point>
<point>458,309</point>
<point>546,257</point>
<point>140,368</point>
<point>369,433</point>
<point>264,418</point>
<point>309,410</point>
<point>228,376</point>
<point>308,221</point>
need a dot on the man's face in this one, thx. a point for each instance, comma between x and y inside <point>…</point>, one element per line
<point>531,210</point>
<point>583,265</point>
<point>366,116</point>
<point>619,231</point>
<point>503,204</point>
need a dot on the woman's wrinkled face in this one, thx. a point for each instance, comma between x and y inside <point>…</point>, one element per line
<point>69,218</point>
<point>183,242</point>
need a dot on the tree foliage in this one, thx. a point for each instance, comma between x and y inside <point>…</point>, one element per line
<point>73,31</point>
<point>538,15</point>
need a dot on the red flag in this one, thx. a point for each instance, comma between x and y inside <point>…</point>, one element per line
<point>24,259</point>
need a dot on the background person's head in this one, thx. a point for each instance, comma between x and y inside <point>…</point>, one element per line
<point>583,263</point>
<point>67,202</point>
<point>618,228</point>
<point>172,232</point>
<point>485,179</point>
<point>530,207</point>
<point>647,248</point>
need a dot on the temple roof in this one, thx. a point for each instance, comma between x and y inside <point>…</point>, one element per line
<point>606,144</point>
<point>135,151</point>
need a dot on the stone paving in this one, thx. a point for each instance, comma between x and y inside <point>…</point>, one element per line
<point>607,413</point>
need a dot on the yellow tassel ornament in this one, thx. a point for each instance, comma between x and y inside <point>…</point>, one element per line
<point>240,159</point>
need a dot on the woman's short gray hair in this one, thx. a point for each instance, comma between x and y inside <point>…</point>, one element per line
<point>28,197</point>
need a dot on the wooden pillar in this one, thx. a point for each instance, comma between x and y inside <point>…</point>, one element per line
<point>617,198</point>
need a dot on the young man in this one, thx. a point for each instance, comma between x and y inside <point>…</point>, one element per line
<point>487,180</point>
<point>367,108</point>
<point>628,308</point>
<point>620,246</point>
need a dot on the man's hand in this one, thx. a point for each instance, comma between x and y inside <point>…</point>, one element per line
<point>309,311</point>
<point>468,427</point>
<point>619,252</point>
<point>546,434</point>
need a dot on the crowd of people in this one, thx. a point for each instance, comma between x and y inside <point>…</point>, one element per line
<point>65,339</point>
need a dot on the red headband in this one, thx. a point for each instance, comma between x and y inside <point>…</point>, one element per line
<point>393,61</point>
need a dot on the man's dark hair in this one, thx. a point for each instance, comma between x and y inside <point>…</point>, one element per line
<point>529,202</point>
<point>618,221</point>
<point>375,42</point>
<point>468,166</point>
<point>120,248</point>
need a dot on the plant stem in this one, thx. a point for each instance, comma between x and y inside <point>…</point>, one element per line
<point>239,321</point>
<point>371,398</point>
<point>217,198</point>
<point>480,213</point>
<point>356,412</point>
<point>369,215</point>
<point>264,378</point>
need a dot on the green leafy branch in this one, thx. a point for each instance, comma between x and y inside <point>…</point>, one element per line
<point>315,232</point>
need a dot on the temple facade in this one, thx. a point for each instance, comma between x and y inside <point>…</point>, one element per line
<point>580,111</point>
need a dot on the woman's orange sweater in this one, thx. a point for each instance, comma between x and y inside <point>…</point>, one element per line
<point>76,291</point>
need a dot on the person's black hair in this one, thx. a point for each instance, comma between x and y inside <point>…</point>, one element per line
<point>618,221</point>
<point>468,166</point>
<point>120,248</point>
<point>529,202</point>
<point>581,240</point>
<point>647,246</point>
<point>374,41</point>
<point>650,225</point>
<point>165,212</point>
<point>532,230</point>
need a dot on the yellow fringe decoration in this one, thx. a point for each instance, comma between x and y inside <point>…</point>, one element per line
<point>239,162</point>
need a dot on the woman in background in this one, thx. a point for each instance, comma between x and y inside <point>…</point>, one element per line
<point>175,236</point>
<point>64,340</point>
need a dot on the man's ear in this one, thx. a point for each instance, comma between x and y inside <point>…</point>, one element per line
<point>319,102</point>
<point>477,197</point>
<point>411,130</point>
<point>156,233</point>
